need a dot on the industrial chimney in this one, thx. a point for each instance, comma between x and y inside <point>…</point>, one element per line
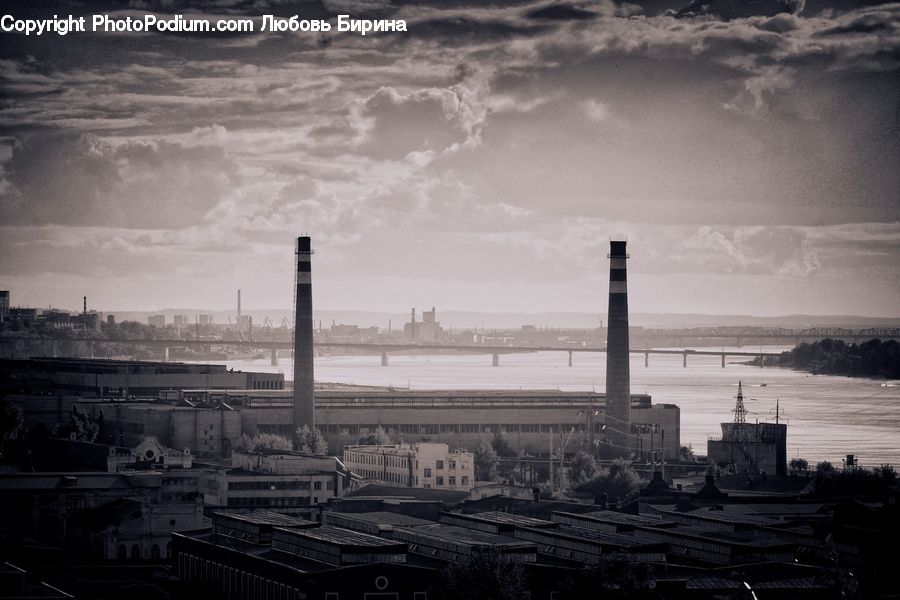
<point>618,376</point>
<point>304,400</point>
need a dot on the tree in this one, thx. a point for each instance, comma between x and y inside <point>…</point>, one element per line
<point>310,441</point>
<point>482,576</point>
<point>263,441</point>
<point>79,425</point>
<point>798,464</point>
<point>11,423</point>
<point>582,468</point>
<point>379,437</point>
<point>824,468</point>
<point>620,578</point>
<point>486,462</point>
<point>618,482</point>
<point>501,446</point>
<point>687,454</point>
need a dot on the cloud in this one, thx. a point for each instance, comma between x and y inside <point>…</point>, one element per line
<point>595,110</point>
<point>739,9</point>
<point>82,180</point>
<point>468,143</point>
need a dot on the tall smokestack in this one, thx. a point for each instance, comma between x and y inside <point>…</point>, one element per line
<point>304,401</point>
<point>412,326</point>
<point>239,306</point>
<point>85,306</point>
<point>618,375</point>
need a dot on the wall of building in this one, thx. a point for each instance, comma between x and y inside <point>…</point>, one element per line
<point>527,429</point>
<point>427,465</point>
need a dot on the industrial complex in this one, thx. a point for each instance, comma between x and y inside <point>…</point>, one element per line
<point>243,485</point>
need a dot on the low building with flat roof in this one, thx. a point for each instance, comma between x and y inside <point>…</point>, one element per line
<point>301,567</point>
<point>277,480</point>
<point>424,465</point>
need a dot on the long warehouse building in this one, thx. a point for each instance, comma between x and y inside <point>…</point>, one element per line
<point>527,419</point>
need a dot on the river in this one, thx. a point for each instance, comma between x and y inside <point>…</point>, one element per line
<point>828,416</point>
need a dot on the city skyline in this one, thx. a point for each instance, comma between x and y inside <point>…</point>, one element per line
<point>747,153</point>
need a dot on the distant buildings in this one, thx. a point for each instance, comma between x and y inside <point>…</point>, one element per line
<point>158,321</point>
<point>275,480</point>
<point>4,305</point>
<point>123,378</point>
<point>422,465</point>
<point>429,330</point>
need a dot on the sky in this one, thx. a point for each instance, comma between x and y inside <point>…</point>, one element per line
<point>481,160</point>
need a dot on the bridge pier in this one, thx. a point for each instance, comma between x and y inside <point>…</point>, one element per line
<point>723,361</point>
<point>274,356</point>
<point>166,355</point>
<point>384,359</point>
<point>739,341</point>
<point>91,349</point>
<point>54,349</point>
<point>646,359</point>
<point>684,364</point>
<point>495,360</point>
<point>570,357</point>
<point>762,361</point>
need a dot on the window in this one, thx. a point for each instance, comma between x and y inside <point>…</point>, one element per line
<point>440,480</point>
<point>317,485</point>
<point>452,480</point>
<point>440,465</point>
<point>465,480</point>
<point>427,472</point>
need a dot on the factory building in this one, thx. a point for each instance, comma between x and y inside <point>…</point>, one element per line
<point>530,420</point>
<point>428,330</point>
<point>424,465</point>
<point>749,448</point>
<point>296,561</point>
<point>122,378</point>
<point>277,480</point>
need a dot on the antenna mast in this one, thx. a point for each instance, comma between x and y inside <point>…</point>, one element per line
<point>740,413</point>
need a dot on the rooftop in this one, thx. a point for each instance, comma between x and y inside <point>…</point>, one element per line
<point>344,538</point>
<point>265,517</point>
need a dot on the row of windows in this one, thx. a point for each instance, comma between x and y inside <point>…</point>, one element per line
<point>234,583</point>
<point>122,552</point>
<point>268,385</point>
<point>278,485</point>
<point>258,501</point>
<point>473,428</point>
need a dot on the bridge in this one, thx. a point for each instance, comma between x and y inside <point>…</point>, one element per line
<point>742,334</point>
<point>273,346</point>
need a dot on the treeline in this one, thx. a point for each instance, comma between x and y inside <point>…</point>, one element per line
<point>873,358</point>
